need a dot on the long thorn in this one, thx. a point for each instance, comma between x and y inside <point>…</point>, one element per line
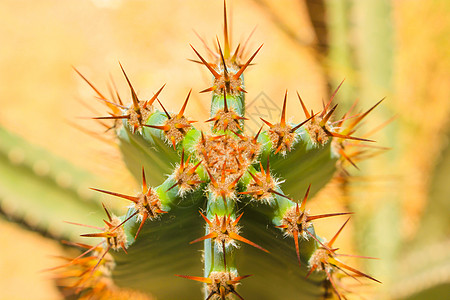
<point>331,242</point>
<point>183,108</point>
<point>133,93</point>
<point>211,69</point>
<point>239,73</point>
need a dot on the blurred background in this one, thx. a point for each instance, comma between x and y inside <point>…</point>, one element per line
<point>395,49</point>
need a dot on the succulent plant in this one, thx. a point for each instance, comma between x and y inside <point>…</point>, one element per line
<point>244,196</point>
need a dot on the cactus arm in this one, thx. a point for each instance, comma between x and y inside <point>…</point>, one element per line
<point>162,250</point>
<point>159,252</point>
<point>27,173</point>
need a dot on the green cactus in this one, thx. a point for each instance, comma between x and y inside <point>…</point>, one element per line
<point>63,185</point>
<point>243,196</point>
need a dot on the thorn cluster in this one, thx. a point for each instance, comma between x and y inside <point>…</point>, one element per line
<point>226,158</point>
<point>219,284</point>
<point>296,222</point>
<point>342,146</point>
<point>226,119</point>
<point>185,175</point>
<point>80,277</point>
<point>147,204</point>
<point>113,233</point>
<point>326,259</point>
<point>115,105</point>
<point>281,134</point>
<point>136,115</point>
<point>263,185</point>
<point>320,128</point>
<point>225,186</point>
<point>225,232</point>
<point>94,270</point>
<point>227,78</point>
<point>176,126</point>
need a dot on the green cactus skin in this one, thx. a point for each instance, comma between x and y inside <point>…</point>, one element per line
<point>250,221</point>
<point>147,149</point>
<point>27,171</point>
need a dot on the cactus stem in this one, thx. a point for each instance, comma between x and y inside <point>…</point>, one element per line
<point>225,160</point>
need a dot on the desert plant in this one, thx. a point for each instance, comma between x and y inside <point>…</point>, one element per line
<point>220,188</point>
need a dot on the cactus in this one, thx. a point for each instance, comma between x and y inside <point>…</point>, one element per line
<point>62,184</point>
<point>243,196</point>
